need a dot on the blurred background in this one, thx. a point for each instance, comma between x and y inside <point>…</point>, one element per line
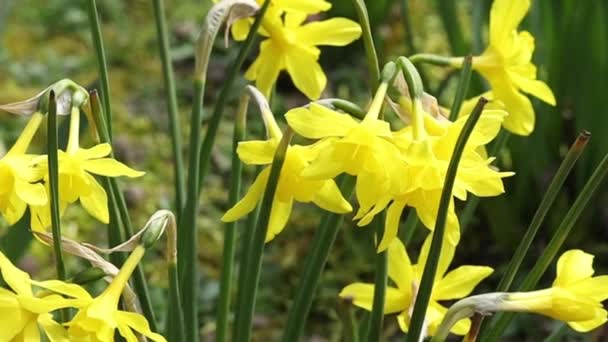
<point>43,41</point>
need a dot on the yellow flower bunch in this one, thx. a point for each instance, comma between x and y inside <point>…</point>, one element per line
<point>291,44</point>
<point>402,168</point>
<point>455,284</point>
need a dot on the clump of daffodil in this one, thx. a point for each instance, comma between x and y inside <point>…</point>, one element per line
<point>18,177</point>
<point>76,182</point>
<point>292,45</point>
<point>359,148</point>
<point>400,299</point>
<point>27,313</point>
<point>507,65</point>
<point>576,295</point>
<point>98,318</point>
<point>292,185</point>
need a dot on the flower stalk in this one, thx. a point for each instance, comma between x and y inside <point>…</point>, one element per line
<point>373,65</point>
<point>376,321</point>
<point>171,98</point>
<point>230,230</point>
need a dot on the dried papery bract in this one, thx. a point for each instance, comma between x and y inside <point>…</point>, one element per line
<point>224,11</point>
<point>68,94</point>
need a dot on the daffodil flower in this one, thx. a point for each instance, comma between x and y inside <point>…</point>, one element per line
<point>428,159</point>
<point>98,319</point>
<point>292,45</point>
<point>400,298</point>
<point>576,295</point>
<point>76,181</point>
<point>292,186</point>
<point>25,313</point>
<point>507,65</point>
<point>361,149</point>
<point>18,177</point>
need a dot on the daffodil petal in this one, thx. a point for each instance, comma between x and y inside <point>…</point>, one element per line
<point>330,198</point>
<point>257,152</point>
<point>138,323</point>
<point>240,29</point>
<point>584,326</point>
<point>96,202</point>
<point>391,226</point>
<point>334,31</point>
<point>110,167</point>
<point>305,6</point>
<point>400,267</point>
<point>33,194</point>
<point>319,122</point>
<point>270,62</point>
<point>250,200</point>
<point>18,280</point>
<point>574,265</point>
<point>279,215</point>
<point>460,282</point>
<point>505,16</point>
<point>595,288</point>
<point>445,259</point>
<point>95,152</point>
<point>58,286</point>
<point>53,330</point>
<point>533,87</point>
<point>362,295</point>
<point>521,118</point>
<point>305,72</point>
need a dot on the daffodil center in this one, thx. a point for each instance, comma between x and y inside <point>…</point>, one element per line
<point>491,59</point>
<point>279,34</point>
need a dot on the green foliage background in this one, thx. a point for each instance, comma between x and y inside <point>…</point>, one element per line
<point>45,41</point>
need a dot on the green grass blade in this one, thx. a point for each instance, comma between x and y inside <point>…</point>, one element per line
<point>376,321</point>
<point>368,41</point>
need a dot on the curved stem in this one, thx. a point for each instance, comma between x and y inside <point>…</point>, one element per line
<point>370,51</point>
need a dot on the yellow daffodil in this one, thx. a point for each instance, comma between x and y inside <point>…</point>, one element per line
<point>361,149</point>
<point>575,297</point>
<point>507,65</point>
<point>457,283</point>
<point>98,319</point>
<point>76,182</point>
<point>292,45</point>
<point>292,186</point>
<point>18,177</point>
<point>25,313</point>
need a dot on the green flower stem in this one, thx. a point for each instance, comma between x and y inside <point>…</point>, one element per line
<point>220,104</point>
<point>120,213</point>
<point>350,328</point>
<point>431,59</point>
<point>593,185</point>
<point>556,185</point>
<point>370,51</point>
<point>447,11</point>
<point>187,237</point>
<point>102,63</point>
<point>463,86</point>
<point>409,35</point>
<point>430,269</point>
<point>256,250</point>
<point>174,125</point>
<point>467,213</point>
<point>245,247</point>
<point>53,161</point>
<point>229,231</point>
<point>315,263</point>
<point>349,107</point>
<point>374,332</point>
<point>176,318</point>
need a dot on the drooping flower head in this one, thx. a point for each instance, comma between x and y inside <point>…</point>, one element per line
<point>576,295</point>
<point>98,319</point>
<point>507,65</point>
<point>18,177</point>
<point>292,45</point>
<point>401,297</point>
<point>359,148</point>
<point>76,182</point>
<point>292,185</point>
